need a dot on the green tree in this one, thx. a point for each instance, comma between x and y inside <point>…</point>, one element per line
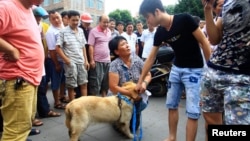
<point>193,7</point>
<point>170,9</point>
<point>121,15</point>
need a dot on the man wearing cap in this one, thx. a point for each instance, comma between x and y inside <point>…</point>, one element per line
<point>43,108</point>
<point>86,20</point>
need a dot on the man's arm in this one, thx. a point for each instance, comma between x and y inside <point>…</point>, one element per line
<point>91,42</point>
<point>137,48</point>
<point>51,43</point>
<point>53,56</point>
<point>142,43</point>
<point>204,44</point>
<point>10,53</point>
<point>62,55</point>
<point>86,63</point>
<point>146,80</point>
<point>146,68</point>
<point>91,56</point>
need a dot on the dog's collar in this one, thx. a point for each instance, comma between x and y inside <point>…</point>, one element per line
<point>122,97</point>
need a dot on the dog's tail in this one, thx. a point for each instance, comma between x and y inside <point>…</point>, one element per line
<point>68,118</point>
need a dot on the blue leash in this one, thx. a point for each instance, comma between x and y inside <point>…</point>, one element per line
<point>134,126</point>
<point>126,73</point>
<point>134,118</point>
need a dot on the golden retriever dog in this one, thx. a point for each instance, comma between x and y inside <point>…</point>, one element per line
<point>81,112</point>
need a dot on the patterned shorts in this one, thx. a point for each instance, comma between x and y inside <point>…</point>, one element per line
<point>226,92</point>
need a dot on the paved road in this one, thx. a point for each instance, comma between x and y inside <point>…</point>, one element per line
<point>155,127</point>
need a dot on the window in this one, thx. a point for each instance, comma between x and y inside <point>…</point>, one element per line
<point>56,1</point>
<point>90,3</point>
<point>46,2</point>
<point>99,5</point>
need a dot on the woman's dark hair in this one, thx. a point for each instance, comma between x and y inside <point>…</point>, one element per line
<point>149,6</point>
<point>114,43</point>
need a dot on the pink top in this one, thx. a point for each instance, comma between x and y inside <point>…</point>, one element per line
<point>99,40</point>
<point>19,27</point>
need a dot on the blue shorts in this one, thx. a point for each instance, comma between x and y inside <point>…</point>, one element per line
<point>57,78</point>
<point>188,78</point>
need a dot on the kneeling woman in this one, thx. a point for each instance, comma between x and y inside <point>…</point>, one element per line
<point>126,66</point>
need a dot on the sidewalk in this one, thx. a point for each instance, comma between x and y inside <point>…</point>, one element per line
<point>154,123</point>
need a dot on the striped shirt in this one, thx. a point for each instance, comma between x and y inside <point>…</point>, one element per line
<point>72,44</point>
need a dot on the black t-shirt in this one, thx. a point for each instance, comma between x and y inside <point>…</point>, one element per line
<point>180,38</point>
<point>139,44</point>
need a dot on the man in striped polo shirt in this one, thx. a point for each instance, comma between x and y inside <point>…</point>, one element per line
<point>71,48</point>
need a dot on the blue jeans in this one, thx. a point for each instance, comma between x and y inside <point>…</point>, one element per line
<point>57,78</point>
<point>42,101</point>
<point>188,78</point>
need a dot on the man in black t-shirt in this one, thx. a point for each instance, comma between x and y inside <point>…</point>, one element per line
<point>183,34</point>
<point>138,32</point>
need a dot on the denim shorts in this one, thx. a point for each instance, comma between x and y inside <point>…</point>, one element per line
<point>222,91</point>
<point>188,78</point>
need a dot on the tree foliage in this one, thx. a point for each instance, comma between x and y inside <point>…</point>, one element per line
<point>193,7</point>
<point>121,15</point>
<point>170,9</point>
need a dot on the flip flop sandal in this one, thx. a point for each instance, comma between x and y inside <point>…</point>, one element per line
<point>64,99</point>
<point>37,122</point>
<point>53,114</point>
<point>59,106</point>
<point>34,132</point>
